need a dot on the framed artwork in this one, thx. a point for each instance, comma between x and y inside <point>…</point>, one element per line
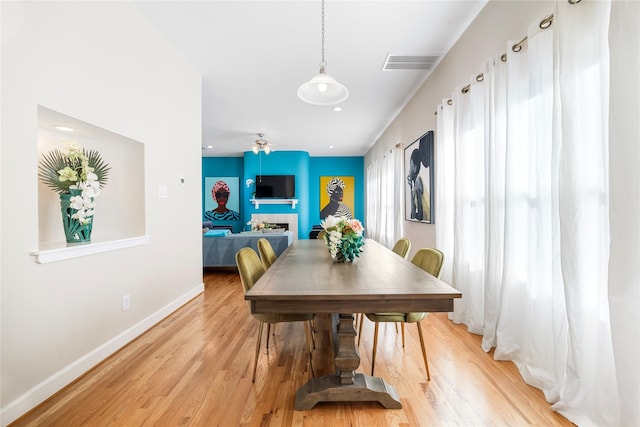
<point>337,196</point>
<point>418,165</point>
<point>222,198</point>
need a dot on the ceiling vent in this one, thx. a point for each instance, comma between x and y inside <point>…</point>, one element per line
<point>409,62</point>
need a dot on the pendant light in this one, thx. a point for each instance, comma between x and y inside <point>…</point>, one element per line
<point>323,89</point>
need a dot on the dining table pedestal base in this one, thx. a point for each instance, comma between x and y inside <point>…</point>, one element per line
<point>365,388</point>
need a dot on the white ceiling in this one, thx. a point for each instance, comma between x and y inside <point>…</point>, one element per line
<point>253,56</point>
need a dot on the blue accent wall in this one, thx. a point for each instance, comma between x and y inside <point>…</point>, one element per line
<point>307,170</point>
<point>280,163</point>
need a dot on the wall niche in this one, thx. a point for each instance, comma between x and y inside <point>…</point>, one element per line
<point>119,219</point>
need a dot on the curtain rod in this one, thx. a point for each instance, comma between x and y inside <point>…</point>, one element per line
<point>544,24</point>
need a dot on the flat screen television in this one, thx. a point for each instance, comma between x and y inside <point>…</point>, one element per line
<point>275,186</point>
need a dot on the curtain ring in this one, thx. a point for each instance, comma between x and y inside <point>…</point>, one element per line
<point>546,22</point>
<point>449,101</point>
<point>480,77</point>
<point>466,89</point>
<point>503,57</point>
<point>574,1</point>
<point>518,46</point>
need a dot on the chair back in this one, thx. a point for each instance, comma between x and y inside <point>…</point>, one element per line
<point>402,247</point>
<point>250,269</point>
<point>267,254</point>
<point>430,260</point>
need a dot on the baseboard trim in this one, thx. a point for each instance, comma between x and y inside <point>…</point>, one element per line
<point>42,391</point>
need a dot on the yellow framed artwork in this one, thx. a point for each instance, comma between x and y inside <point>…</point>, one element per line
<point>337,195</point>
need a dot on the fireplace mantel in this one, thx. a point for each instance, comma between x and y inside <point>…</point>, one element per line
<point>258,202</point>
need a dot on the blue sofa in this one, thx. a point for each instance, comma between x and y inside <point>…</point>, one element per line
<point>219,250</point>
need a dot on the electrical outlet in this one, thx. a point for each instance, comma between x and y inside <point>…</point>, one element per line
<point>126,302</point>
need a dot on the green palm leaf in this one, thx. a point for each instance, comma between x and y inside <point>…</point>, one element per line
<point>100,168</point>
<point>56,160</point>
<point>48,169</point>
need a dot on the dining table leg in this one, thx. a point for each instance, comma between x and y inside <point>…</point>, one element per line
<point>345,385</point>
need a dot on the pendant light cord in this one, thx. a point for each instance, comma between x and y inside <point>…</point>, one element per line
<point>323,89</point>
<point>323,63</point>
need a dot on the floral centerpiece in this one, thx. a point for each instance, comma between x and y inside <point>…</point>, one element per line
<point>260,225</point>
<point>78,176</point>
<point>344,237</point>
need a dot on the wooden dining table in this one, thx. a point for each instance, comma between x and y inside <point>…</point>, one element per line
<point>305,279</point>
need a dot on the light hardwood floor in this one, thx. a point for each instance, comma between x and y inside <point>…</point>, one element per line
<point>194,369</point>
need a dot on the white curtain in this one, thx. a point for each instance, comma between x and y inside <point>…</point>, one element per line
<point>526,184</point>
<point>624,211</point>
<point>531,327</point>
<point>589,392</point>
<point>384,198</point>
<point>469,206</point>
<point>445,179</point>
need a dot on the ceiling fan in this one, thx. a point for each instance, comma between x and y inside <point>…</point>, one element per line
<point>261,145</point>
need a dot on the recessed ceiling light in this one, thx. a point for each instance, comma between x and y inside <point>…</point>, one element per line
<point>331,146</point>
<point>64,128</point>
<point>337,108</point>
<point>209,146</point>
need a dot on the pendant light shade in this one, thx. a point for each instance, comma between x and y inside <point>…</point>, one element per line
<point>323,89</point>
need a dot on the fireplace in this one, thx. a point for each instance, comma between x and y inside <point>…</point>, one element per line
<point>286,221</point>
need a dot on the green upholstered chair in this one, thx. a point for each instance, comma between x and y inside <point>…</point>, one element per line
<point>267,254</point>
<point>430,260</point>
<point>251,269</point>
<point>402,247</point>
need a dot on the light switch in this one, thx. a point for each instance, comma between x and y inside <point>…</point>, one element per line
<point>162,192</point>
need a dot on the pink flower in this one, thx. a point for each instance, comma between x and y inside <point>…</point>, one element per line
<point>356,226</point>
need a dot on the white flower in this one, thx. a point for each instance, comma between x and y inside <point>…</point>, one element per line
<point>331,223</point>
<point>249,182</point>
<point>256,225</point>
<point>82,217</point>
<point>74,149</point>
<point>335,236</point>
<point>90,189</point>
<point>76,202</point>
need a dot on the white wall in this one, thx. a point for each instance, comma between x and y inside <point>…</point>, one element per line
<point>487,36</point>
<point>103,63</point>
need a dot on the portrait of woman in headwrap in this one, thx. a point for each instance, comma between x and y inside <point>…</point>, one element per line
<point>220,193</point>
<point>335,190</point>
